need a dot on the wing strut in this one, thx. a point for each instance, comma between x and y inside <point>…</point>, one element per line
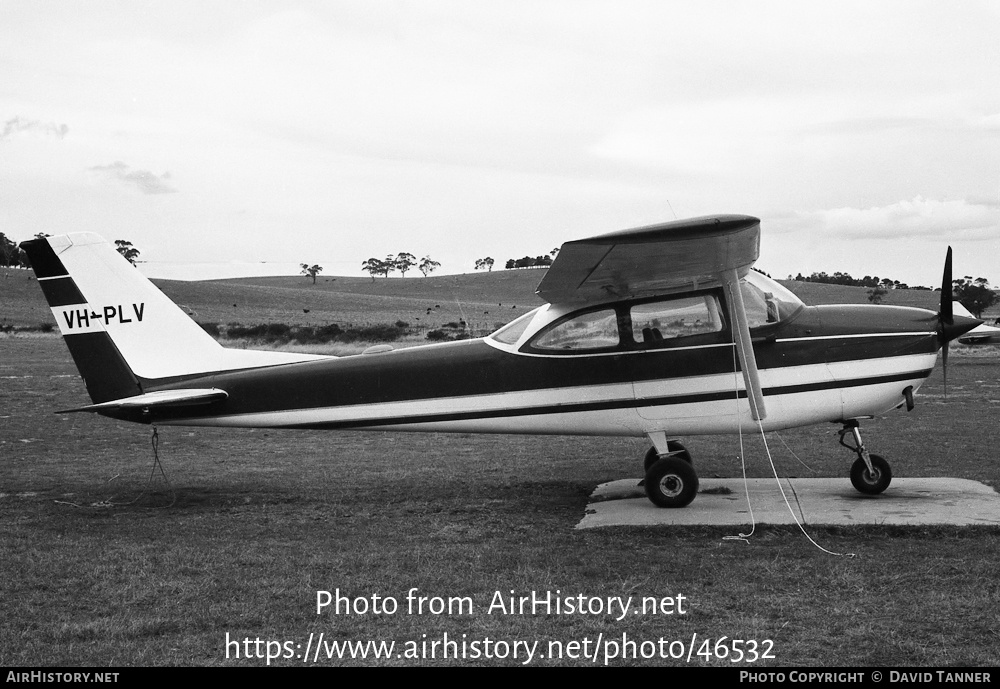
<point>744,345</point>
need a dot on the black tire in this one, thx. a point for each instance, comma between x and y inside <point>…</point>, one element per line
<point>672,446</point>
<point>871,482</point>
<point>671,482</point>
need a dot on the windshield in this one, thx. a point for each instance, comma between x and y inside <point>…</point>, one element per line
<point>511,333</point>
<point>766,301</point>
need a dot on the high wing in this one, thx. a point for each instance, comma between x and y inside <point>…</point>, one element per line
<point>656,259</point>
<point>684,255</point>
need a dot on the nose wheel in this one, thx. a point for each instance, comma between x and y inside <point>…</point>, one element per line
<point>671,482</point>
<point>670,479</point>
<point>870,473</point>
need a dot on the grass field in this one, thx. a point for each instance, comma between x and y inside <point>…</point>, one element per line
<point>104,567</point>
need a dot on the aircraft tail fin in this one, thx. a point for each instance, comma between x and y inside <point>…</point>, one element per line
<point>122,331</point>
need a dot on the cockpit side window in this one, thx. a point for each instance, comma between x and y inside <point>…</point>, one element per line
<point>766,301</point>
<point>587,331</point>
<point>760,306</point>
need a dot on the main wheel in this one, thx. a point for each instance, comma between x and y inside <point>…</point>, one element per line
<point>672,446</point>
<point>671,482</point>
<point>871,482</point>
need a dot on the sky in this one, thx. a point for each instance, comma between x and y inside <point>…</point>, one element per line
<point>225,137</point>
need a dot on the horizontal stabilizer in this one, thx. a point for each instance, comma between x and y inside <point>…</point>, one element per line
<point>158,400</point>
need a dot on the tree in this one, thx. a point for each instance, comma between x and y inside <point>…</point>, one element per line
<point>876,293</point>
<point>403,262</point>
<point>126,249</point>
<point>8,252</point>
<point>529,262</point>
<point>428,265</point>
<point>485,263</point>
<point>311,270</point>
<point>975,295</point>
<point>373,267</point>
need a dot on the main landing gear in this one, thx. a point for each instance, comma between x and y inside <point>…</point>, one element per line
<point>870,474</point>
<point>671,480</point>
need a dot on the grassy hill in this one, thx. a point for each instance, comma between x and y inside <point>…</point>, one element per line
<point>483,300</point>
<point>817,293</point>
<point>21,302</point>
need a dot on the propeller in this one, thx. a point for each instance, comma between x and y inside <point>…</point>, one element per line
<point>950,326</point>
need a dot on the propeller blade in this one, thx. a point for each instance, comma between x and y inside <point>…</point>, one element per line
<point>946,314</point>
<point>944,367</point>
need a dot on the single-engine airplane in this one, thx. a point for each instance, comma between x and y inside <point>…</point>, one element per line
<point>658,332</point>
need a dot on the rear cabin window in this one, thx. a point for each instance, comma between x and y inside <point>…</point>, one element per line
<point>661,321</point>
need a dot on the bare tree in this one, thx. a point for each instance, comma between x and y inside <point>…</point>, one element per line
<point>311,271</point>
<point>427,265</point>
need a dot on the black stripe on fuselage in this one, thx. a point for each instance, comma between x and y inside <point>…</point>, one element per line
<point>568,408</point>
<point>475,368</point>
<point>608,405</point>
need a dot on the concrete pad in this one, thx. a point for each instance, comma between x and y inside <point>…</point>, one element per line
<point>813,501</point>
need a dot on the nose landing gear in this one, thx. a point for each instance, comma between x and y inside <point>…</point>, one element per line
<point>870,473</point>
<point>670,479</point>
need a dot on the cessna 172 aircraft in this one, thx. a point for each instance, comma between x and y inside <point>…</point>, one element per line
<point>656,332</point>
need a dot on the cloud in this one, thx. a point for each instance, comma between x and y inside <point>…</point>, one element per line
<point>19,125</point>
<point>919,218</point>
<point>144,180</point>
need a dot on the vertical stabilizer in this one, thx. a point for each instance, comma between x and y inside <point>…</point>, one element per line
<point>99,362</point>
<point>122,331</point>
